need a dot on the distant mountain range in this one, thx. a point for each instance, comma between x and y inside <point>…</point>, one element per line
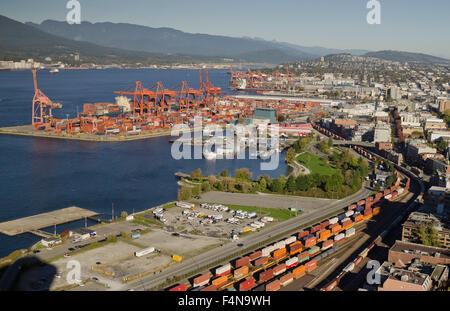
<point>127,43</point>
<point>168,40</point>
<point>409,57</point>
<point>19,41</point>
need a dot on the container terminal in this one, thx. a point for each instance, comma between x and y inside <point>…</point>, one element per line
<point>140,112</point>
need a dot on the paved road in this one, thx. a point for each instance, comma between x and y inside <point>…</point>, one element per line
<point>214,255</point>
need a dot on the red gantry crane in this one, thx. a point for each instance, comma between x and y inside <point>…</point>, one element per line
<point>42,106</point>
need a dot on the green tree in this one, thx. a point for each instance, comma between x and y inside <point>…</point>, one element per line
<point>428,234</point>
<point>243,174</point>
<point>262,184</point>
<point>224,173</point>
<point>197,174</point>
<point>123,214</point>
<point>290,184</point>
<point>277,185</point>
<point>442,145</point>
<point>290,155</point>
<point>206,186</point>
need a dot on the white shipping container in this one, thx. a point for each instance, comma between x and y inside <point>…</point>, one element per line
<point>279,272</point>
<point>223,269</point>
<point>339,237</point>
<point>387,197</point>
<point>345,219</point>
<point>290,240</point>
<point>266,251</point>
<point>349,232</point>
<point>144,252</point>
<point>291,261</point>
<point>287,282</point>
<point>334,220</point>
<point>349,213</point>
<point>400,190</point>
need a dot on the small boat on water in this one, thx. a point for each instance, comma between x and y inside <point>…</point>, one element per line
<point>54,70</point>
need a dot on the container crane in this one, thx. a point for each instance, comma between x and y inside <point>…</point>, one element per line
<point>42,107</point>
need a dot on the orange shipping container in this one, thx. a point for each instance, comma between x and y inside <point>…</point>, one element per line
<point>325,234</point>
<point>347,225</point>
<point>376,210</point>
<point>299,272</point>
<point>220,281</point>
<point>279,253</point>
<point>358,218</point>
<point>261,261</point>
<point>240,272</point>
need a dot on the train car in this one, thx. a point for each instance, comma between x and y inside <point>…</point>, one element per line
<point>210,288</point>
<point>349,232</point>
<point>224,270</point>
<point>351,207</point>
<point>240,272</point>
<point>281,268</point>
<point>313,251</point>
<point>350,213</point>
<point>244,261</point>
<point>261,261</point>
<point>202,280</point>
<point>324,234</point>
<point>273,286</point>
<point>265,276</point>
<point>310,241</point>
<point>295,247</point>
<point>324,224</point>
<point>333,220</point>
<point>327,244</point>
<point>315,229</point>
<point>303,234</point>
<point>336,228</point>
<point>338,238</point>
<point>255,255</point>
<point>179,288</point>
<point>347,224</point>
<point>247,285</point>
<point>357,217</point>
<point>299,272</point>
<point>303,257</point>
<point>287,279</point>
<point>292,262</point>
<point>279,253</point>
<point>311,265</point>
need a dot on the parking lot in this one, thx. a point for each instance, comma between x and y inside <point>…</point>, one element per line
<point>212,220</point>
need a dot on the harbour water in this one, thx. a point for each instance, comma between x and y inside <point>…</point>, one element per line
<point>42,174</point>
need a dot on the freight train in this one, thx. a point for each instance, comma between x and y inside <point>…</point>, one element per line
<point>388,194</point>
<point>279,264</point>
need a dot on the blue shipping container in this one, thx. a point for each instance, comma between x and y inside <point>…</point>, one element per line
<point>136,235</point>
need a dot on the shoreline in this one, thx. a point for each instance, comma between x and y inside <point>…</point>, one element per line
<point>27,130</point>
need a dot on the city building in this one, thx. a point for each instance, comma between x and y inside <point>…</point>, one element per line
<point>406,252</point>
<point>439,221</point>
<point>382,132</point>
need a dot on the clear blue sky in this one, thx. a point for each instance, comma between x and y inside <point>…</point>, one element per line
<point>408,25</point>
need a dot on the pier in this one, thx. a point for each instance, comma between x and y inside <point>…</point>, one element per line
<point>32,224</point>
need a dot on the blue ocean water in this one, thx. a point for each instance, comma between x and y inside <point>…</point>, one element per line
<point>40,175</point>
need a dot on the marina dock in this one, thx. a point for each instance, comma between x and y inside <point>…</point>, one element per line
<point>32,224</point>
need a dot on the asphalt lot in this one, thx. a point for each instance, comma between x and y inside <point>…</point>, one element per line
<point>218,253</point>
<point>265,200</point>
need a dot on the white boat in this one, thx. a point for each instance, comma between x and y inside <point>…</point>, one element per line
<point>54,70</point>
<point>209,155</point>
